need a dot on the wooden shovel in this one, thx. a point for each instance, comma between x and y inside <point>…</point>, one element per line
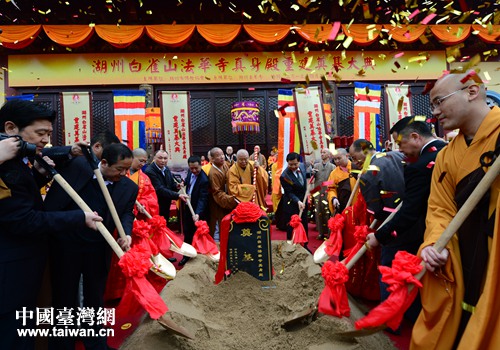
<point>458,220</point>
<point>169,325</point>
<point>156,268</point>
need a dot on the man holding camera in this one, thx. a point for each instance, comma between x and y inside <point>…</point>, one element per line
<point>25,225</point>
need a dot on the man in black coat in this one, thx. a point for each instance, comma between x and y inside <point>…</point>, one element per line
<point>163,182</point>
<point>420,148</point>
<point>196,184</point>
<point>294,183</point>
<point>25,225</point>
<point>81,252</point>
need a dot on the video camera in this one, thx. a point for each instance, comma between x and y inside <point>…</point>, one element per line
<point>26,149</point>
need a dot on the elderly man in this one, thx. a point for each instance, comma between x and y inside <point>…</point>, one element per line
<point>241,180</point>
<point>321,173</point>
<point>219,201</point>
<point>230,157</point>
<point>460,295</point>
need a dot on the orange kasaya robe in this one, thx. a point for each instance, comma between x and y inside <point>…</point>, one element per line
<point>147,197</point>
<point>241,185</point>
<point>443,291</point>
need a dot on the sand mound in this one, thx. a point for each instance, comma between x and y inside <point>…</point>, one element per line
<point>245,313</point>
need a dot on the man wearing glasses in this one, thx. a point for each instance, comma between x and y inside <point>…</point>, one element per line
<point>460,294</point>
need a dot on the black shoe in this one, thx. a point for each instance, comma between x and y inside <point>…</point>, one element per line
<point>172,260</point>
<point>320,237</point>
<point>184,260</point>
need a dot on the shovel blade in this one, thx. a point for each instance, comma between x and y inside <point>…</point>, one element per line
<point>174,328</point>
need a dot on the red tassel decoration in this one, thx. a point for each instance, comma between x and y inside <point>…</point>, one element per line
<point>333,299</point>
<point>391,310</point>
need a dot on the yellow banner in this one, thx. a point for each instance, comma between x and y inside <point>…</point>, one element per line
<point>232,67</point>
<point>311,121</point>
<point>175,110</point>
<point>76,116</point>
<point>398,102</point>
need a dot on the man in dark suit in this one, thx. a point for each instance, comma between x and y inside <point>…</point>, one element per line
<point>84,253</point>
<point>163,182</point>
<point>196,184</point>
<point>25,225</point>
<point>420,147</point>
<point>294,183</point>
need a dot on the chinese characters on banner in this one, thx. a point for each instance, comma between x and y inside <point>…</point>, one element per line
<point>213,68</point>
<point>398,102</point>
<point>76,117</point>
<point>175,112</point>
<point>311,121</point>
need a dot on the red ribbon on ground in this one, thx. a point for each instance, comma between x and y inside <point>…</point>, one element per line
<point>299,233</point>
<point>391,310</point>
<point>333,299</point>
<point>333,244</point>
<point>135,265</point>
<point>202,241</point>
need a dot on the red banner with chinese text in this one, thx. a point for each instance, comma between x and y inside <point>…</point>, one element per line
<point>76,117</point>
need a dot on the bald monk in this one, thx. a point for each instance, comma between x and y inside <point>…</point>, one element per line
<point>240,180</point>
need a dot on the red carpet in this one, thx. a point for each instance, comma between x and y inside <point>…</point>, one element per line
<point>126,326</point>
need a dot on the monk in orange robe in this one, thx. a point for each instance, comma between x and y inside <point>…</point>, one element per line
<point>460,294</point>
<point>240,180</point>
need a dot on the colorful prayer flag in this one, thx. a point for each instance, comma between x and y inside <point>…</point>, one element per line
<point>367,113</point>
<point>130,117</point>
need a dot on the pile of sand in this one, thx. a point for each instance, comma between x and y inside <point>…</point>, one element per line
<point>245,313</point>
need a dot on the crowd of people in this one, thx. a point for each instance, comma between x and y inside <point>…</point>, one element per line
<point>427,179</point>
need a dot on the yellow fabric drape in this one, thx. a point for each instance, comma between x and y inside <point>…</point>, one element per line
<point>267,34</point>
<point>316,33</point>
<point>492,37</point>
<point>451,34</point>
<point>171,35</point>
<point>219,34</point>
<point>19,36</point>
<point>407,33</point>
<point>69,35</point>
<point>360,33</point>
<point>119,36</point>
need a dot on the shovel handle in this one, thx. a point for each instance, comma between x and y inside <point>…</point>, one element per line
<point>364,248</point>
<point>81,203</point>
<point>109,201</point>
<point>465,210</point>
<point>308,190</point>
<point>142,209</point>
